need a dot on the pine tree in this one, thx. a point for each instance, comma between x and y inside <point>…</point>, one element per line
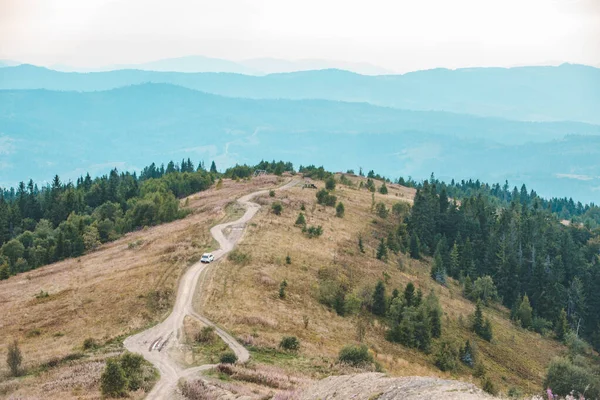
<point>383,189</point>
<point>454,266</point>
<point>361,248</point>
<point>434,314</point>
<point>438,271</point>
<point>467,354</point>
<point>561,327</point>
<point>468,287</point>
<point>213,168</point>
<point>301,220</point>
<point>487,333</point>
<point>382,250</point>
<point>14,358</point>
<point>478,321</point>
<point>409,294</point>
<point>415,251</point>
<point>379,302</point>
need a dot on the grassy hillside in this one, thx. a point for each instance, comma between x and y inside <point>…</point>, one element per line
<point>243,296</point>
<point>102,297</point>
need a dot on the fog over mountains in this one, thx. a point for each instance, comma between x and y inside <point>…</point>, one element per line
<point>70,133</point>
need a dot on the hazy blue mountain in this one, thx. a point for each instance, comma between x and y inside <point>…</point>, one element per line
<point>567,92</point>
<point>43,132</point>
<point>276,65</point>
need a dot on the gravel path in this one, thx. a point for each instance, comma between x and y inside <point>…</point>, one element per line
<point>154,342</point>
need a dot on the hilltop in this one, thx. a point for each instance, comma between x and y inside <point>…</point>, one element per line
<point>127,285</point>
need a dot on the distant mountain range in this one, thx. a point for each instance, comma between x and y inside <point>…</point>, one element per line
<point>566,92</point>
<point>254,66</point>
<point>70,133</point>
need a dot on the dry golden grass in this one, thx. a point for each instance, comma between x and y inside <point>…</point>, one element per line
<point>244,298</point>
<point>105,294</point>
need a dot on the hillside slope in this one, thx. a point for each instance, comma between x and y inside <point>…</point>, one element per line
<point>243,296</point>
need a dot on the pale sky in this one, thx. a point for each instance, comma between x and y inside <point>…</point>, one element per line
<point>400,35</point>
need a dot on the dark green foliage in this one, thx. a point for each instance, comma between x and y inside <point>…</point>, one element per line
<point>434,311</point>
<point>409,294</point>
<point>446,356</point>
<point>415,247</point>
<point>132,367</point>
<point>60,220</point>
<point>301,220</point>
<point>277,208</point>
<point>282,286</point>
<point>313,231</point>
<point>288,259</point>
<point>330,183</point>
<point>302,207</point>
<point>290,343</point>
<point>213,168</point>
<point>113,382</point>
<point>339,210</point>
<point>271,193</point>
<point>481,326</point>
<point>381,210</point>
<point>379,301</point>
<point>438,270</point>
<point>381,250</point>
<point>355,355</point>
<point>14,358</point>
<point>326,199</point>
<point>383,189</point>
<point>228,357</point>
<point>563,377</point>
<point>468,354</point>
<point>561,327</point>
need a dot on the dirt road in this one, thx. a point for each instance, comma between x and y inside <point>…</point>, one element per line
<point>154,343</point>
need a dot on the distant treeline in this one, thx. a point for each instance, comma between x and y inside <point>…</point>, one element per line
<point>42,225</point>
<point>39,226</point>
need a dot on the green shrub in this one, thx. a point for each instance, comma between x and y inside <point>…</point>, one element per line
<point>339,210</point>
<point>324,198</point>
<point>132,367</point>
<point>290,343</point>
<point>313,231</point>
<point>541,325</point>
<point>228,357</point>
<point>288,259</point>
<point>282,288</point>
<point>355,355</point>
<point>446,356</point>
<point>90,344</point>
<point>563,377</point>
<point>277,208</point>
<point>381,210</point>
<point>206,335</point>
<point>271,193</point>
<point>239,258</point>
<point>14,358</point>
<point>113,382</point>
<point>489,387</point>
<point>330,183</point>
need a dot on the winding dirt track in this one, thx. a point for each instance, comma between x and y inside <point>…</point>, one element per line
<point>154,342</point>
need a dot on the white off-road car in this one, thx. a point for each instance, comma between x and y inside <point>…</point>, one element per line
<point>207,258</point>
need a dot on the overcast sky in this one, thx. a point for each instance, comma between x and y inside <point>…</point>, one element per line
<point>400,35</point>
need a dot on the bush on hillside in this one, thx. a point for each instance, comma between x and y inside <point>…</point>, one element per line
<point>563,377</point>
<point>228,357</point>
<point>355,355</point>
<point>290,343</point>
